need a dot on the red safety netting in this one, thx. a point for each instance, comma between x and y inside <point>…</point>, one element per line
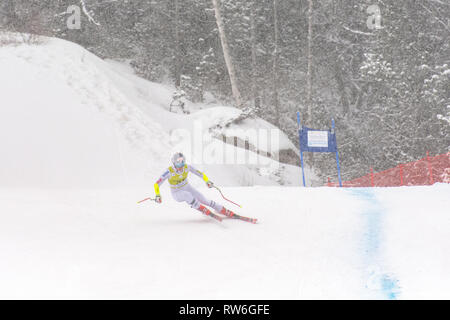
<point>441,168</point>
<point>387,178</point>
<point>416,173</point>
<point>359,182</point>
<point>426,171</point>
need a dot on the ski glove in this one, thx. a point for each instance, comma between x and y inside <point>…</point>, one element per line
<point>158,199</point>
<point>210,184</point>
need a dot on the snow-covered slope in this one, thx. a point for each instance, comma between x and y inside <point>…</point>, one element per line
<point>64,123</point>
<point>310,243</point>
<point>70,119</point>
<point>84,139</point>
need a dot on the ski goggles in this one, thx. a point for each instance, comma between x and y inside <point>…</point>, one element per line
<point>179,163</point>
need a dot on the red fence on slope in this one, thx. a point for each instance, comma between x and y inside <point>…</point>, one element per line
<point>426,171</point>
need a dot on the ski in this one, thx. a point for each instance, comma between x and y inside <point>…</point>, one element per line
<point>246,219</point>
<point>232,215</point>
<point>208,213</point>
<point>215,216</point>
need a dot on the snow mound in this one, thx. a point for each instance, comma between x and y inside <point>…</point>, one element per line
<point>71,119</point>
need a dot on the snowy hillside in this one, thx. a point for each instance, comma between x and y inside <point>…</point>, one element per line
<point>70,119</point>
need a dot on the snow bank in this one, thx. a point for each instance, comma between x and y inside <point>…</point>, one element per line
<point>63,123</point>
<point>70,119</point>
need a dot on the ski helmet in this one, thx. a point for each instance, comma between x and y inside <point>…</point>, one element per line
<point>178,160</point>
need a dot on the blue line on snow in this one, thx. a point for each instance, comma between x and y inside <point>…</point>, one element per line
<point>383,283</point>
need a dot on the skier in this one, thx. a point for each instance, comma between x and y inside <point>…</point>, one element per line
<point>183,191</point>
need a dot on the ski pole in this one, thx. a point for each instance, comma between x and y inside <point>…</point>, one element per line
<point>226,198</point>
<point>146,199</point>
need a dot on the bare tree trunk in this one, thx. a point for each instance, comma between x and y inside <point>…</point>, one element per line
<point>309,75</point>
<point>227,56</point>
<point>275,64</point>
<point>12,21</point>
<point>255,90</point>
<point>310,157</point>
<point>177,47</point>
<point>341,87</point>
